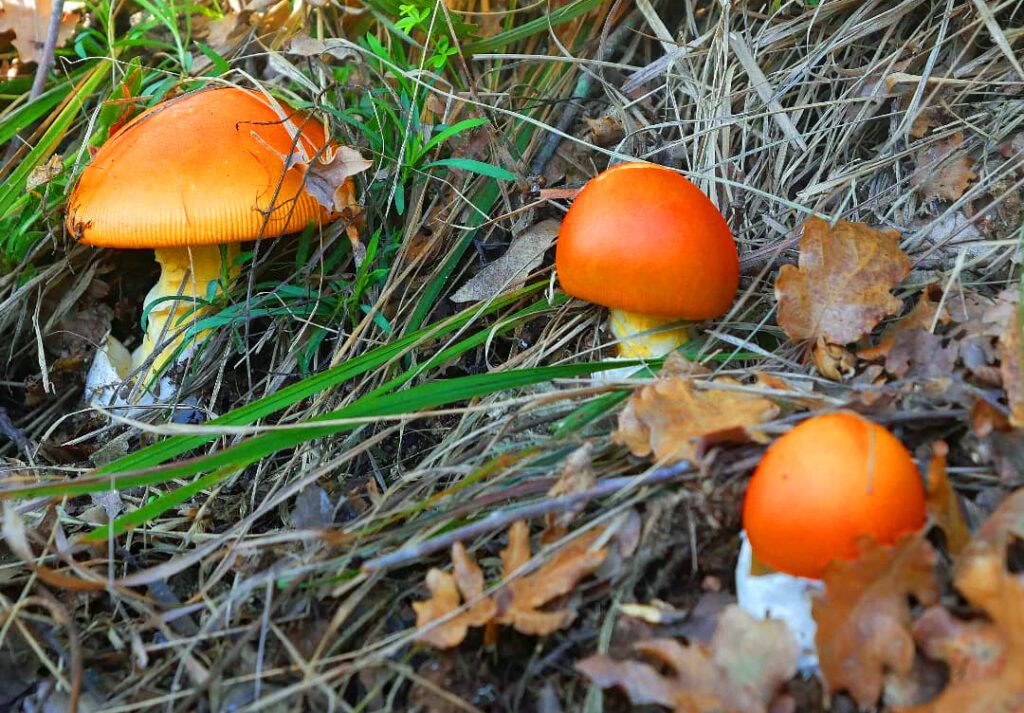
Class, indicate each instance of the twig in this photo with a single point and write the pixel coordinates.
(49, 49)
(502, 518)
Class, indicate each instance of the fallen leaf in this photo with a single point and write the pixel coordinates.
(924, 121)
(521, 602)
(985, 658)
(1006, 315)
(1005, 525)
(511, 269)
(924, 315)
(801, 395)
(842, 287)
(328, 177)
(863, 618)
(577, 476)
(223, 34)
(306, 46)
(605, 130)
(740, 671)
(942, 502)
(466, 579)
(973, 649)
(917, 353)
(943, 171)
(833, 361)
(313, 509)
(674, 420)
(45, 172)
(30, 21)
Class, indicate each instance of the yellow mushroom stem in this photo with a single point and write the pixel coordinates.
(185, 276)
(642, 336)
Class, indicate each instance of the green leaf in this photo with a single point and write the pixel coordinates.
(474, 166)
(447, 133)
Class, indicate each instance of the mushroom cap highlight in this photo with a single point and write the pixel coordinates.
(201, 169)
(825, 484)
(641, 238)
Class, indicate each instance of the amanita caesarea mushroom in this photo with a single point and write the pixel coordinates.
(644, 241)
(190, 179)
(828, 482)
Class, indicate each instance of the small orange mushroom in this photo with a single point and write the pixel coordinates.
(644, 241)
(210, 168)
(828, 482)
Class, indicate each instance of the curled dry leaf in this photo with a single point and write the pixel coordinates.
(329, 181)
(605, 130)
(943, 170)
(29, 20)
(864, 620)
(1006, 317)
(511, 269)
(466, 580)
(943, 504)
(740, 671)
(985, 657)
(842, 287)
(327, 177)
(674, 420)
(522, 602)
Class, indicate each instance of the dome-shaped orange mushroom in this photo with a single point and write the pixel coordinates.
(828, 482)
(643, 240)
(217, 166)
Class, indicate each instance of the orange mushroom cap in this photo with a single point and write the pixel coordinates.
(641, 238)
(202, 169)
(828, 482)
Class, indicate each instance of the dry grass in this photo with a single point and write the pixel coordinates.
(249, 596)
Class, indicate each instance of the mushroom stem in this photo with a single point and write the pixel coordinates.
(642, 336)
(185, 277)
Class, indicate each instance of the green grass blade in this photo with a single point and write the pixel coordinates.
(13, 187)
(176, 445)
(533, 27)
(415, 400)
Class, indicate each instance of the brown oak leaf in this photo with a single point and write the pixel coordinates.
(466, 580)
(522, 602)
(943, 170)
(740, 671)
(943, 504)
(924, 315)
(864, 619)
(674, 420)
(30, 20)
(917, 353)
(1006, 317)
(986, 658)
(842, 287)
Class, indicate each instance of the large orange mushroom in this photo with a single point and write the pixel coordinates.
(825, 484)
(190, 179)
(644, 241)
